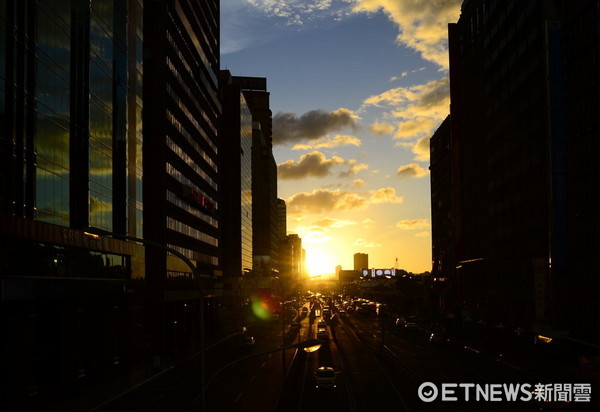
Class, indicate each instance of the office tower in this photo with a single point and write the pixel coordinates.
(236, 180)
(281, 219)
(181, 173)
(581, 306)
(70, 164)
(264, 177)
(508, 161)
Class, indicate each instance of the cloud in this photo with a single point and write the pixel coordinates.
(385, 195)
(430, 99)
(421, 149)
(412, 224)
(353, 168)
(315, 124)
(294, 12)
(411, 170)
(415, 127)
(318, 232)
(420, 108)
(314, 164)
(334, 223)
(321, 201)
(382, 128)
(364, 243)
(423, 24)
(358, 183)
(327, 142)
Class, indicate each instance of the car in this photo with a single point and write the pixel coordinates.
(437, 338)
(321, 324)
(325, 377)
(248, 341)
(408, 322)
(322, 334)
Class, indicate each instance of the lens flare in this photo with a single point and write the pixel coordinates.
(261, 309)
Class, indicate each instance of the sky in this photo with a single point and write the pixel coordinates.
(357, 88)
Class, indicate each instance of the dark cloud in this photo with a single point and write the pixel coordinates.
(323, 200)
(314, 164)
(287, 127)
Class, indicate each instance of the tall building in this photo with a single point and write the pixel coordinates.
(361, 261)
(181, 173)
(70, 164)
(581, 307)
(442, 230)
(520, 134)
(281, 219)
(264, 177)
(236, 179)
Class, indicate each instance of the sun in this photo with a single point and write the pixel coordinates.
(319, 263)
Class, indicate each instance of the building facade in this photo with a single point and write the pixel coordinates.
(582, 106)
(522, 112)
(236, 179)
(181, 167)
(264, 177)
(70, 163)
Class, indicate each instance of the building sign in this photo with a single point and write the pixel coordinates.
(378, 273)
(199, 200)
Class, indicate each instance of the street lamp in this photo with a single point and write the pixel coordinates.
(95, 232)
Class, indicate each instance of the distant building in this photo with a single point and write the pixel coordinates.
(361, 261)
(347, 276)
(281, 219)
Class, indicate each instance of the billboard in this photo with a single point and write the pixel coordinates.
(378, 273)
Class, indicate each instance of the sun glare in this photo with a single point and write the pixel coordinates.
(319, 263)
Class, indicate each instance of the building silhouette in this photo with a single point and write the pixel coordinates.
(236, 179)
(281, 220)
(71, 303)
(264, 177)
(109, 125)
(361, 261)
(501, 177)
(181, 166)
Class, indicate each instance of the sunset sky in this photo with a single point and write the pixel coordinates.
(357, 89)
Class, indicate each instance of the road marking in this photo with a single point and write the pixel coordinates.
(263, 364)
(238, 397)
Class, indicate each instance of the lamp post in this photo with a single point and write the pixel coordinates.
(96, 232)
